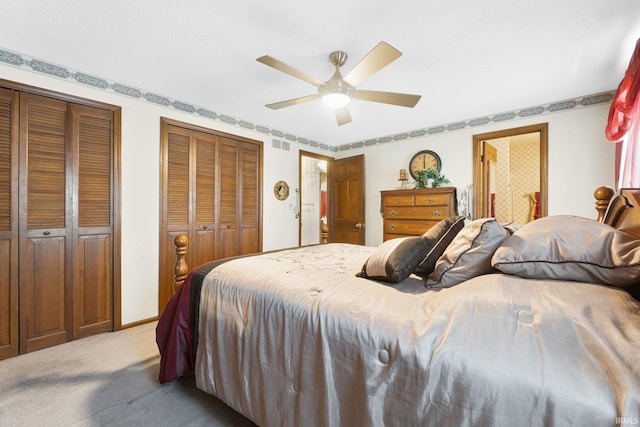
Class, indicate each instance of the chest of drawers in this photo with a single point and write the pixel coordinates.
(412, 212)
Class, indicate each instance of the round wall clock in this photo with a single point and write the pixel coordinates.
(281, 190)
(422, 160)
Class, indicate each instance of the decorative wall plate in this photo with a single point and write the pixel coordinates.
(281, 190)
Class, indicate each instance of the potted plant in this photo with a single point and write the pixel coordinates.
(430, 178)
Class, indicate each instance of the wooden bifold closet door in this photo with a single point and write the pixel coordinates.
(211, 191)
(56, 225)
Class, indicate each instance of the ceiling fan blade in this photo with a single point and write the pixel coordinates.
(281, 66)
(294, 101)
(401, 99)
(343, 116)
(378, 58)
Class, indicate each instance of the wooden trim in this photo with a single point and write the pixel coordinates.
(189, 126)
(117, 219)
(57, 95)
(139, 323)
(543, 129)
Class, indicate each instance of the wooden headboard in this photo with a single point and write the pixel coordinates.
(624, 211)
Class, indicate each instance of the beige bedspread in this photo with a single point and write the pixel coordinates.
(293, 338)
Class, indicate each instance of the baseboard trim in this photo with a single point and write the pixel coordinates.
(139, 322)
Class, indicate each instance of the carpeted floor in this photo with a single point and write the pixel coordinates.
(106, 380)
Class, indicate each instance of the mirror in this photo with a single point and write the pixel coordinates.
(314, 198)
(510, 174)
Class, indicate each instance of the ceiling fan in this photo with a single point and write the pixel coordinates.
(338, 90)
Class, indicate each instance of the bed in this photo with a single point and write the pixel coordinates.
(474, 323)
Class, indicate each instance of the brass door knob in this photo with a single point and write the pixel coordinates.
(359, 225)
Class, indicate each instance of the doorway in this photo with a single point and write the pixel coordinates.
(314, 198)
(510, 174)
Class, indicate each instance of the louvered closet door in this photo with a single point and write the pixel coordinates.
(9, 102)
(190, 198)
(227, 240)
(177, 194)
(250, 239)
(204, 222)
(45, 225)
(93, 226)
(211, 191)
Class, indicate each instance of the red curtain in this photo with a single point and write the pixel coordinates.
(623, 126)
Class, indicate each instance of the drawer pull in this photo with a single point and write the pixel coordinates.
(429, 200)
(394, 213)
(437, 213)
(398, 201)
(394, 227)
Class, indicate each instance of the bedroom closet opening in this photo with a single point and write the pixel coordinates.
(315, 170)
(59, 223)
(211, 190)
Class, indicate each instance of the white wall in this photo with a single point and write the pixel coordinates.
(580, 160)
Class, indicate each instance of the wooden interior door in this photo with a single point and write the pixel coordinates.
(347, 201)
(9, 103)
(92, 133)
(45, 225)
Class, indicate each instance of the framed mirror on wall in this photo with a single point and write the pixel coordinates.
(510, 171)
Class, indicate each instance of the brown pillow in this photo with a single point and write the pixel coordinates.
(567, 247)
(469, 253)
(439, 237)
(394, 260)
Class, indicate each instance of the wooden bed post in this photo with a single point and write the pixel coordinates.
(181, 269)
(603, 196)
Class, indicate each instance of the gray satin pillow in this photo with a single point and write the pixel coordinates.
(439, 237)
(564, 247)
(469, 254)
(395, 260)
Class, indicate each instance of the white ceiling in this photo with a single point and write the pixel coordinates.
(466, 58)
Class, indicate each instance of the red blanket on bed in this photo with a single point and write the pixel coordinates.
(174, 335)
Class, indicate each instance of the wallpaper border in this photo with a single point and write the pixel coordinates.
(36, 65)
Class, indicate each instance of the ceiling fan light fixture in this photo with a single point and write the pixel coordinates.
(336, 100)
